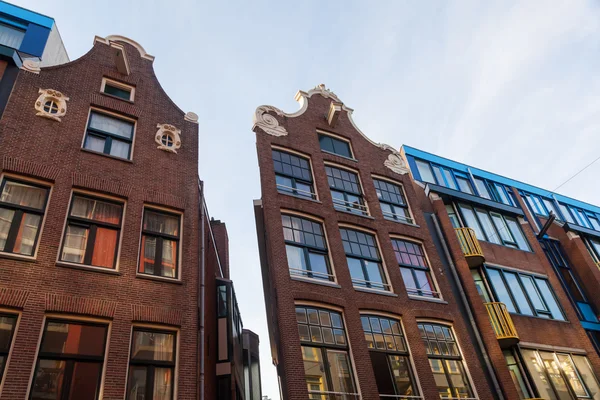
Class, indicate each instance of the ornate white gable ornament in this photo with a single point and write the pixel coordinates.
(269, 124)
(168, 138)
(32, 66)
(51, 104)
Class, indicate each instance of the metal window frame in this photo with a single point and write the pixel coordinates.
(420, 292)
(20, 211)
(331, 137)
(92, 226)
(293, 179)
(108, 136)
(394, 215)
(158, 267)
(151, 365)
(70, 359)
(348, 206)
(6, 353)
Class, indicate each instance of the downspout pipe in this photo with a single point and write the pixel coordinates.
(463, 298)
(201, 291)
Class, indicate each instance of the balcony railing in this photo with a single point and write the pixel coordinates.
(371, 284)
(349, 206)
(502, 324)
(296, 191)
(399, 397)
(311, 274)
(470, 246)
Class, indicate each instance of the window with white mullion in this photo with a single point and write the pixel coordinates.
(345, 190)
(293, 174)
(392, 201)
(306, 248)
(364, 260)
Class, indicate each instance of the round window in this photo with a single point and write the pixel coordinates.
(167, 140)
(51, 107)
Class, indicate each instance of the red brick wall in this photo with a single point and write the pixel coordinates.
(222, 241)
(302, 137)
(49, 150)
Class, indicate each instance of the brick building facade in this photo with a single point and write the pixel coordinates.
(108, 260)
(360, 300)
(526, 273)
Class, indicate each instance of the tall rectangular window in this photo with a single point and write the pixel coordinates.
(109, 135)
(151, 365)
(22, 208)
(364, 260)
(8, 323)
(345, 190)
(392, 201)
(550, 207)
(92, 233)
(70, 361)
(414, 268)
(566, 213)
(445, 361)
(325, 355)
(160, 243)
(464, 183)
(524, 294)
(516, 373)
(293, 174)
(389, 356)
(335, 146)
(306, 248)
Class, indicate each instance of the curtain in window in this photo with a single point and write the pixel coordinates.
(161, 223)
(148, 253)
(75, 244)
(113, 125)
(6, 217)
(11, 37)
(96, 210)
(27, 233)
(169, 258)
(23, 195)
(104, 248)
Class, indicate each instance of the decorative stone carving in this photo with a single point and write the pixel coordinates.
(32, 66)
(168, 138)
(51, 104)
(267, 122)
(395, 163)
(323, 91)
(191, 117)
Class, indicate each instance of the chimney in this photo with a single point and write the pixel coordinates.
(222, 242)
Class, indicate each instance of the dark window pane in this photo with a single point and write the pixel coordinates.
(48, 380)
(136, 387)
(85, 381)
(7, 326)
(73, 338)
(117, 91)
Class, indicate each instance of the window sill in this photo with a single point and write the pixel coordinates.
(88, 268)
(337, 155)
(299, 197)
(159, 279)
(19, 257)
(112, 96)
(431, 300)
(375, 291)
(402, 222)
(106, 155)
(351, 213)
(315, 281)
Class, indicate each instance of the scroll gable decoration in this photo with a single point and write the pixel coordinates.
(270, 125)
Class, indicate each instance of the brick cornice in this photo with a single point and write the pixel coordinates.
(160, 315)
(80, 305)
(30, 168)
(95, 183)
(165, 199)
(13, 298)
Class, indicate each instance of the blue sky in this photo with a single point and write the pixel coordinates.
(486, 83)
